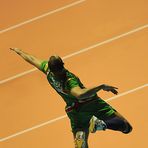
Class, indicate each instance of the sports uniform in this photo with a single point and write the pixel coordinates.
(86, 114)
(79, 113)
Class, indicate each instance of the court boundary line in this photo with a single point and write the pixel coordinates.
(41, 16)
(78, 52)
(64, 116)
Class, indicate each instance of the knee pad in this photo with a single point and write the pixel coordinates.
(80, 141)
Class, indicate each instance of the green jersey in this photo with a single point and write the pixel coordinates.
(78, 113)
(63, 87)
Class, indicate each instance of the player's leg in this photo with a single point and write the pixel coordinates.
(118, 123)
(81, 138)
(114, 122)
(109, 118)
(80, 124)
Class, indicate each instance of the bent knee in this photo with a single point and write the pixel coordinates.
(128, 128)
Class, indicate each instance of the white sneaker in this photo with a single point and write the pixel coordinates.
(96, 125)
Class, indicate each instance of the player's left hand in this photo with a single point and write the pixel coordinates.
(110, 88)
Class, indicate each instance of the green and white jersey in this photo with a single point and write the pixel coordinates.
(62, 87)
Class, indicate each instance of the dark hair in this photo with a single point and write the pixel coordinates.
(55, 63)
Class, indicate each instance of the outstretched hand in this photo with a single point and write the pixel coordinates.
(110, 88)
(17, 50)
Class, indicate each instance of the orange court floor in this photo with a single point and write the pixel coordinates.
(100, 41)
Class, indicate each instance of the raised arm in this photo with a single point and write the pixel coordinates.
(29, 58)
(85, 93)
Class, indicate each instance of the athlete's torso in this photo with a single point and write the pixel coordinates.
(63, 87)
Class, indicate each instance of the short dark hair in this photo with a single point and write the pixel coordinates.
(55, 63)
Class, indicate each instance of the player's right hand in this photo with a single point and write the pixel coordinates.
(17, 50)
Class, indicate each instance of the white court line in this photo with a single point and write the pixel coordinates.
(41, 16)
(78, 52)
(64, 116)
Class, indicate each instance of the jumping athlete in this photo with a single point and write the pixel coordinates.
(86, 110)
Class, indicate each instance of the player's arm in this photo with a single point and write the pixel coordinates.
(88, 92)
(29, 58)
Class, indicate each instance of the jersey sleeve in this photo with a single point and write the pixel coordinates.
(71, 83)
(44, 66)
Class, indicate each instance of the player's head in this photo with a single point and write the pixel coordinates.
(56, 65)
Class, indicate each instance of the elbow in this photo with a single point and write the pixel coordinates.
(78, 92)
